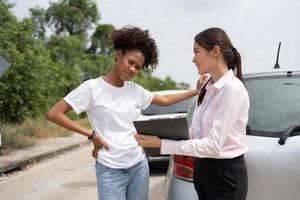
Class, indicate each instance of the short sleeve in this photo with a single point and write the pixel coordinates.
(79, 98)
(143, 97)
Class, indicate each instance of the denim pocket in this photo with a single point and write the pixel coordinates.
(101, 169)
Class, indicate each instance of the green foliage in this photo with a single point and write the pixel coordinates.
(155, 84)
(5, 14)
(45, 68)
(72, 16)
(101, 40)
(66, 49)
(23, 86)
(38, 16)
(93, 66)
(183, 86)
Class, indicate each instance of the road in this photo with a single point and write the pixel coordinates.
(70, 176)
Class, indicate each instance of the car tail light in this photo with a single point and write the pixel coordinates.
(183, 167)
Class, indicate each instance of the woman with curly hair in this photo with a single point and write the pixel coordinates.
(111, 102)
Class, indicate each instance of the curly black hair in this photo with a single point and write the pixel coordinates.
(133, 38)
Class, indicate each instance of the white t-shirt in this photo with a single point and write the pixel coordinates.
(111, 111)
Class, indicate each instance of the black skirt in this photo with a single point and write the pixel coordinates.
(221, 179)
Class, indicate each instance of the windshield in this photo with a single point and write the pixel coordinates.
(274, 103)
(181, 107)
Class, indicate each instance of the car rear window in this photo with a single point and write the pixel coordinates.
(274, 104)
(181, 107)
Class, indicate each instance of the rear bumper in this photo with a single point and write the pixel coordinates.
(179, 190)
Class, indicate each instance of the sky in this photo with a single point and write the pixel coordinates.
(254, 26)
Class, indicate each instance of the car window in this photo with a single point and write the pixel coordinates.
(181, 107)
(274, 104)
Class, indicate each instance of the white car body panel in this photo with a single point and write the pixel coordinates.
(273, 169)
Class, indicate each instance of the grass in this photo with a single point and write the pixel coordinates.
(21, 136)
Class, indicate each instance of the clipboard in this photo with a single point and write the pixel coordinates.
(165, 128)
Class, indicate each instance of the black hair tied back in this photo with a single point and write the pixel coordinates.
(233, 58)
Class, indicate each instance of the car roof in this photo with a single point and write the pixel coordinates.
(277, 72)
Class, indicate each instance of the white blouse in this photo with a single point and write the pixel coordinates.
(219, 125)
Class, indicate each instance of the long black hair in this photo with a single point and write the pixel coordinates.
(212, 37)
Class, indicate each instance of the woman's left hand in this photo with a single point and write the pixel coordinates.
(95, 152)
(148, 140)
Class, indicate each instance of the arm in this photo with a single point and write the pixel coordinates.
(165, 100)
(210, 146)
(57, 115)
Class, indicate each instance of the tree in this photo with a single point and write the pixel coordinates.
(155, 84)
(38, 16)
(93, 66)
(67, 49)
(44, 70)
(5, 14)
(25, 87)
(72, 16)
(101, 40)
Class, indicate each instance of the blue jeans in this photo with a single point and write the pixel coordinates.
(123, 184)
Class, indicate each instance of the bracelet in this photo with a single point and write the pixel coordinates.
(92, 135)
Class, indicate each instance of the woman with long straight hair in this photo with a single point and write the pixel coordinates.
(219, 125)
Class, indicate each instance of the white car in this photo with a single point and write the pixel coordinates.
(273, 137)
(161, 112)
